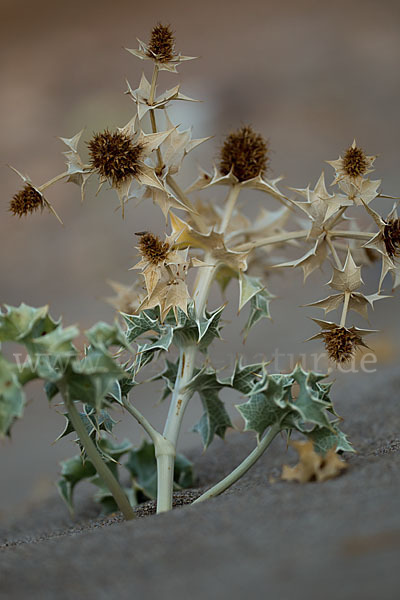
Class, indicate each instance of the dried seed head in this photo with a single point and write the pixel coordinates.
(161, 44)
(355, 161)
(341, 343)
(391, 237)
(152, 248)
(114, 156)
(26, 201)
(245, 152)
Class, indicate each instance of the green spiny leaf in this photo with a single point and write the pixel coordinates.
(143, 468)
(244, 378)
(73, 471)
(259, 309)
(268, 407)
(215, 419)
(308, 404)
(22, 322)
(146, 321)
(248, 287)
(324, 439)
(12, 398)
(102, 336)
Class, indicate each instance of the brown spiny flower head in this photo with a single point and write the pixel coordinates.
(391, 237)
(355, 162)
(26, 201)
(161, 44)
(341, 343)
(114, 156)
(152, 248)
(245, 153)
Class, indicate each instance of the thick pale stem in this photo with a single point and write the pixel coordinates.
(181, 395)
(94, 456)
(206, 276)
(237, 473)
(347, 296)
(165, 450)
(165, 481)
(230, 206)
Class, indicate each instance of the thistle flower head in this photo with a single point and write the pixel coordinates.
(161, 44)
(355, 161)
(391, 237)
(245, 153)
(26, 201)
(341, 343)
(152, 248)
(114, 156)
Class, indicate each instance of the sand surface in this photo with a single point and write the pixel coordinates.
(281, 540)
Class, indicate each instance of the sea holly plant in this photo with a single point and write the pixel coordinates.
(164, 316)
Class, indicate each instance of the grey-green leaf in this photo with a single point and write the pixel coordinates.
(12, 398)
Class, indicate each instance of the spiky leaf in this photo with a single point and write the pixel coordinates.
(259, 309)
(12, 398)
(215, 419)
(143, 468)
(325, 439)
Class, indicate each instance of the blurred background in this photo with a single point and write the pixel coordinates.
(309, 75)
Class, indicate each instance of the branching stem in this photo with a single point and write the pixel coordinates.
(169, 179)
(273, 239)
(352, 235)
(44, 186)
(94, 456)
(141, 419)
(334, 253)
(244, 466)
(181, 395)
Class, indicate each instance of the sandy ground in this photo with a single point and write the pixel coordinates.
(280, 540)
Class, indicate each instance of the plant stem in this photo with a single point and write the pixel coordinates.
(141, 419)
(273, 239)
(336, 218)
(165, 456)
(185, 200)
(347, 296)
(229, 207)
(352, 235)
(169, 179)
(52, 181)
(94, 456)
(334, 253)
(244, 466)
(181, 395)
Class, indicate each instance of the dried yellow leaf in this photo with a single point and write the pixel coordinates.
(313, 466)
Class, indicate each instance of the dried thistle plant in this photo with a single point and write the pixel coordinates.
(166, 314)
